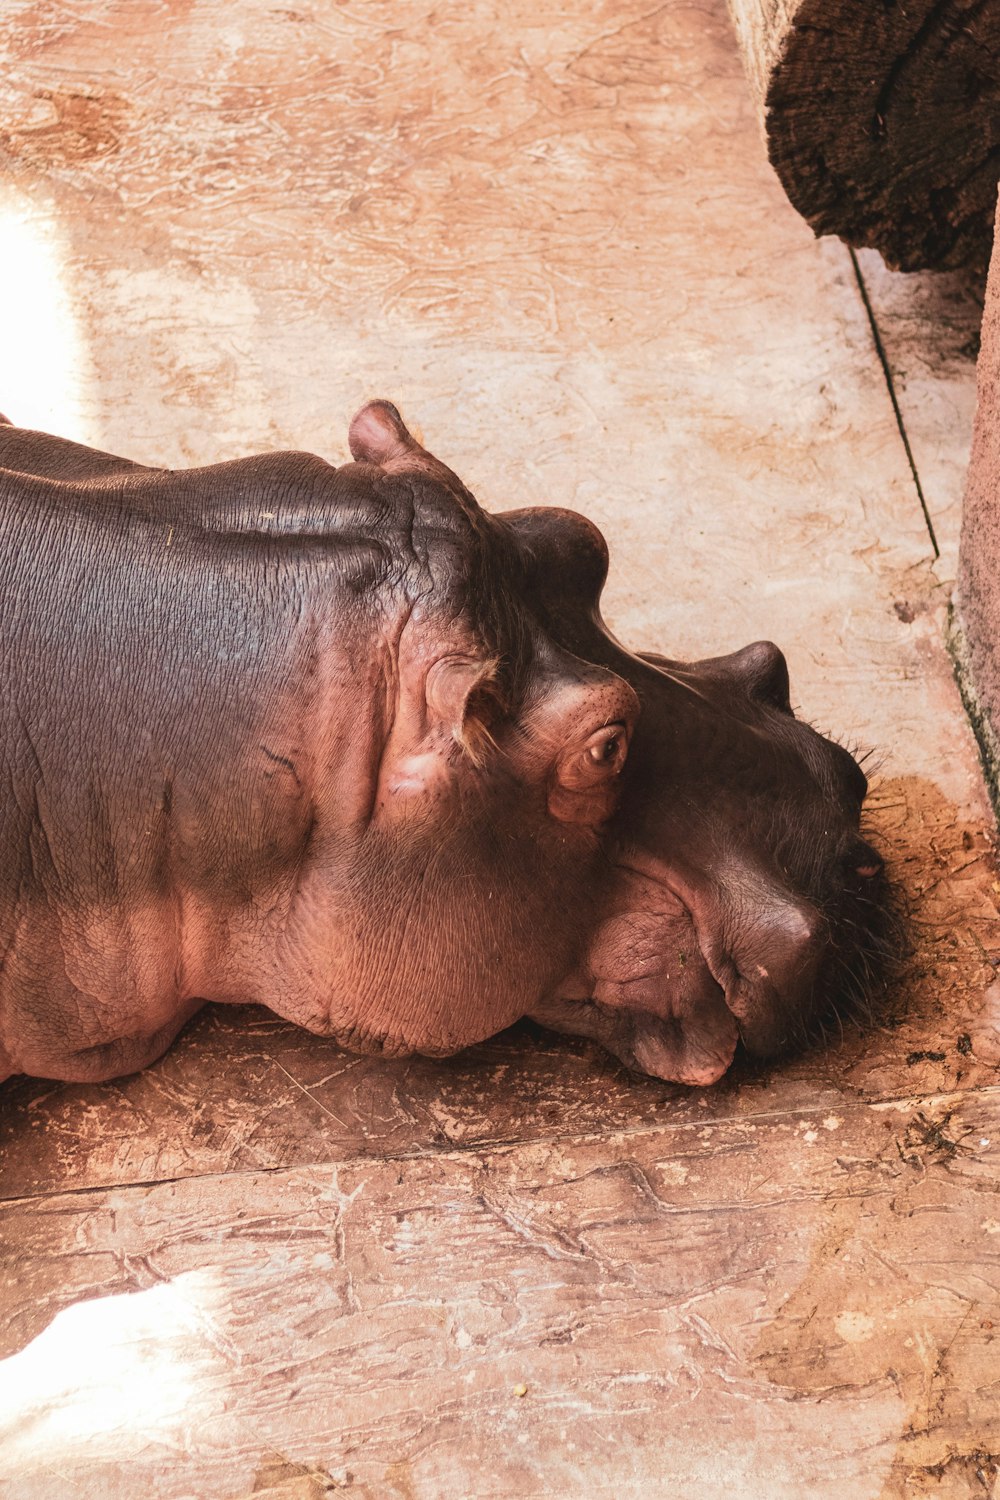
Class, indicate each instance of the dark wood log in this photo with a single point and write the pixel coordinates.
(976, 624)
(882, 119)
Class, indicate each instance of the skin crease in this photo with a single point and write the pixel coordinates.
(338, 742)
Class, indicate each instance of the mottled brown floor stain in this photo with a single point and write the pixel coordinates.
(63, 128)
(278, 1478)
(957, 1475)
(398, 1481)
(946, 867)
(873, 1312)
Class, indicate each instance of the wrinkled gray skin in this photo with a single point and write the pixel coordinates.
(336, 741)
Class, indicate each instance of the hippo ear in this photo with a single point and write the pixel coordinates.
(463, 696)
(378, 435)
(461, 701)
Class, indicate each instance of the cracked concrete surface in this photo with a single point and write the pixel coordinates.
(551, 235)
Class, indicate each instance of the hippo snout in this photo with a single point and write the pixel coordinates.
(771, 979)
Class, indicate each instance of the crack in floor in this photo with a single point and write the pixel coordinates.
(507, 1144)
(883, 359)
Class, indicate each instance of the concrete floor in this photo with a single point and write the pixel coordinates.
(263, 1266)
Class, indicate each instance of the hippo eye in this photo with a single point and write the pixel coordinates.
(606, 750)
(608, 747)
(601, 757)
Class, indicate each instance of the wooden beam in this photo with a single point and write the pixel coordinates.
(882, 119)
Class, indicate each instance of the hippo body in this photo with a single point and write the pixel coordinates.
(336, 741)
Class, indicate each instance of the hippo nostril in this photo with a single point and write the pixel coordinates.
(763, 671)
(864, 862)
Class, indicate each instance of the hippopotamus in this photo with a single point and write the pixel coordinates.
(335, 740)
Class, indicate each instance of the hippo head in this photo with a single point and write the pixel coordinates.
(655, 854)
(743, 903)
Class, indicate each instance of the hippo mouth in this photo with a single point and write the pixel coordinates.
(695, 1048)
(660, 1007)
(683, 972)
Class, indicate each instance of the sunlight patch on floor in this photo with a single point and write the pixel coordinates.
(113, 1371)
(44, 365)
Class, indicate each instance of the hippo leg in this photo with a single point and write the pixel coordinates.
(114, 1058)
